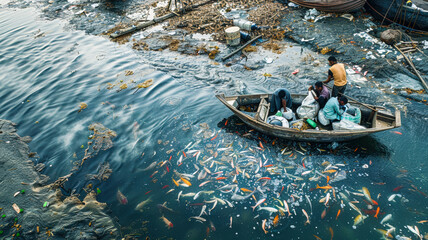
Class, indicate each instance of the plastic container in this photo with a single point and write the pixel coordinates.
(233, 36)
(245, 24)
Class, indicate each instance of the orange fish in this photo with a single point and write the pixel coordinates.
(263, 178)
(167, 222)
(184, 154)
(316, 237)
(220, 178)
(328, 179)
(324, 187)
(374, 202)
(399, 133)
(276, 220)
(214, 137)
(377, 212)
(264, 226)
(338, 213)
(331, 232)
(270, 165)
(261, 145)
(324, 213)
(330, 171)
(225, 124)
(175, 182)
(246, 190)
(186, 182)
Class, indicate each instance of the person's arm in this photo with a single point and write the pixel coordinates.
(337, 111)
(284, 104)
(330, 77)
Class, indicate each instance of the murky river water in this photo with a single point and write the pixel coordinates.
(46, 72)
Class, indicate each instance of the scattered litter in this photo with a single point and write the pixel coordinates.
(296, 71)
(82, 106)
(268, 60)
(16, 208)
(347, 16)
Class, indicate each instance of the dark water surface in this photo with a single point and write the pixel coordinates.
(46, 72)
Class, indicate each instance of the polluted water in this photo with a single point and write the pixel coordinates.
(182, 166)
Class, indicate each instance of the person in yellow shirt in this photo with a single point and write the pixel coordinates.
(338, 74)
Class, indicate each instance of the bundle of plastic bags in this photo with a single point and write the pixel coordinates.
(309, 107)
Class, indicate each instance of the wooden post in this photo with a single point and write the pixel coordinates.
(154, 21)
(240, 48)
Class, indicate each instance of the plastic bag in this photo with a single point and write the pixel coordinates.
(289, 115)
(346, 125)
(322, 119)
(309, 107)
(352, 114)
(277, 120)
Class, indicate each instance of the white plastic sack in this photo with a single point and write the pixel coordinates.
(322, 119)
(289, 115)
(273, 118)
(347, 125)
(309, 107)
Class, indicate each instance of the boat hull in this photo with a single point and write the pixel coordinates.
(310, 135)
(389, 12)
(337, 6)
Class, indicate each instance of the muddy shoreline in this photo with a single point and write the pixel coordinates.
(44, 211)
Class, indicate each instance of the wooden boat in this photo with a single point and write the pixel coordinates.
(341, 6)
(389, 11)
(374, 121)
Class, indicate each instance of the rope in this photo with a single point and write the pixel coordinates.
(387, 12)
(380, 14)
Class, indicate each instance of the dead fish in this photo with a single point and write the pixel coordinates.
(150, 167)
(198, 218)
(142, 204)
(121, 198)
(307, 216)
(163, 208)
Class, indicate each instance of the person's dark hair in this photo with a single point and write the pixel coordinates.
(343, 99)
(332, 58)
(281, 94)
(318, 84)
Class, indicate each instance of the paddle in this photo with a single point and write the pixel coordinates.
(353, 99)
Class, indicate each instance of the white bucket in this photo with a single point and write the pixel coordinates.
(233, 36)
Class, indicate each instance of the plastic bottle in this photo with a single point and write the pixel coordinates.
(279, 114)
(245, 37)
(245, 24)
(312, 123)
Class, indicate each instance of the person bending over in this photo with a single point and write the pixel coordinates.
(335, 107)
(280, 98)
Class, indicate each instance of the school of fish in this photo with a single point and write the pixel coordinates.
(219, 171)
